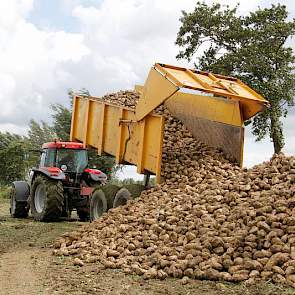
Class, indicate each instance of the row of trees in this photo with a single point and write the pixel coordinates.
(17, 154)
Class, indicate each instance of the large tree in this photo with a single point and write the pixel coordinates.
(253, 47)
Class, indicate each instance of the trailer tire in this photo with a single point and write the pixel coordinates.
(135, 189)
(121, 197)
(110, 191)
(47, 199)
(98, 204)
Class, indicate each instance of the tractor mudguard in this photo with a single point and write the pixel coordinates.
(96, 175)
(22, 191)
(51, 172)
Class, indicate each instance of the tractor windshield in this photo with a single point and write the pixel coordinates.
(75, 160)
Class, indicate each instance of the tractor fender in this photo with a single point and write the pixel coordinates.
(22, 191)
(50, 172)
(96, 175)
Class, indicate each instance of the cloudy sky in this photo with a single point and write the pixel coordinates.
(48, 47)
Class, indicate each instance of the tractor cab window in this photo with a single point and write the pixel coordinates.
(74, 160)
(48, 158)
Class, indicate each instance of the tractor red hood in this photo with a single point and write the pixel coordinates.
(63, 145)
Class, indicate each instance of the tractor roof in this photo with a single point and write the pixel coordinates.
(63, 145)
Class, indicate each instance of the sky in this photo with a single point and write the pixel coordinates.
(49, 47)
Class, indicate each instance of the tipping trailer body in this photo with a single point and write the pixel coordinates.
(113, 130)
(212, 107)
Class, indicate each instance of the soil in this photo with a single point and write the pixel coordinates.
(28, 267)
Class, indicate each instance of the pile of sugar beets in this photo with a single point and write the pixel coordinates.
(208, 220)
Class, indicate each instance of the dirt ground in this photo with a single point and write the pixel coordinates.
(28, 267)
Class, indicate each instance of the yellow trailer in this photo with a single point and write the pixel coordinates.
(212, 107)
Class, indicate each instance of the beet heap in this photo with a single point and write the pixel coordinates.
(209, 219)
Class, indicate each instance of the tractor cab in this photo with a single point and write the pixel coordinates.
(68, 161)
(67, 156)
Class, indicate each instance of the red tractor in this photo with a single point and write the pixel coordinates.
(61, 183)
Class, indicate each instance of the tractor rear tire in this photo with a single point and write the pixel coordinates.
(121, 197)
(47, 199)
(98, 204)
(18, 209)
(110, 191)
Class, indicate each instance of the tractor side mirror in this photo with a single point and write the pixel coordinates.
(64, 168)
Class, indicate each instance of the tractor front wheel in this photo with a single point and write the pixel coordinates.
(18, 209)
(47, 199)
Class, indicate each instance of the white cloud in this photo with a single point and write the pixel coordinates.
(127, 40)
(32, 64)
(12, 11)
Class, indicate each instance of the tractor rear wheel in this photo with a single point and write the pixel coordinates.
(47, 199)
(18, 209)
(98, 204)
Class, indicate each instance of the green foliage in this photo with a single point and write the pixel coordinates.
(61, 122)
(39, 133)
(12, 161)
(252, 48)
(7, 138)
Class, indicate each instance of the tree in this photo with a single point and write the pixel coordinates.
(7, 138)
(12, 158)
(39, 133)
(253, 48)
(61, 121)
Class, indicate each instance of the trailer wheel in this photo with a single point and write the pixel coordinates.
(135, 189)
(121, 197)
(110, 191)
(98, 204)
(47, 199)
(18, 209)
